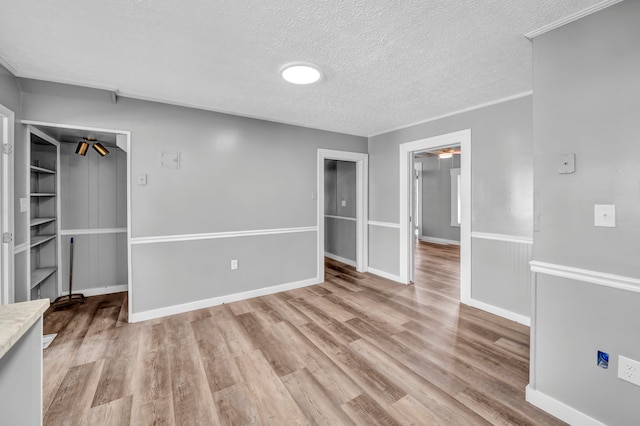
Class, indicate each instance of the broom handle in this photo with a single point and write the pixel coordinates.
(71, 268)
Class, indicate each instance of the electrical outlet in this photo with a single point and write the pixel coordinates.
(234, 264)
(629, 370)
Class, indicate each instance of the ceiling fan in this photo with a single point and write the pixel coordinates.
(83, 147)
(441, 153)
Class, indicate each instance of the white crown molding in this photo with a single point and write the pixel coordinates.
(618, 282)
(460, 111)
(217, 235)
(502, 237)
(8, 66)
(384, 224)
(200, 304)
(573, 17)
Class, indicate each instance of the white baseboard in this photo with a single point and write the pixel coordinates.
(384, 274)
(340, 259)
(200, 304)
(501, 312)
(438, 240)
(559, 409)
(101, 290)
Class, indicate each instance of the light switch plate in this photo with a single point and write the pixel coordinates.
(343, 203)
(605, 215)
(24, 205)
(566, 163)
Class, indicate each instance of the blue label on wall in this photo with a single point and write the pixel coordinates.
(603, 360)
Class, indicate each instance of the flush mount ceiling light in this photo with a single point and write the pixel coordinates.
(301, 73)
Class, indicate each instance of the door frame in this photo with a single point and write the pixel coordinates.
(462, 138)
(127, 148)
(362, 203)
(7, 136)
(418, 220)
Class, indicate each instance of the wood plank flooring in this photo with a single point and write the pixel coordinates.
(357, 349)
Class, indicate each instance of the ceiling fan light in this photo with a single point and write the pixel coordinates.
(82, 148)
(100, 149)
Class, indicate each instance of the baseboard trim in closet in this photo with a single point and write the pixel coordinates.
(340, 259)
(101, 290)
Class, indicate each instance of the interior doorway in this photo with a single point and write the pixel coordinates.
(340, 220)
(407, 182)
(361, 205)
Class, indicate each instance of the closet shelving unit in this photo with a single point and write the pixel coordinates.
(44, 211)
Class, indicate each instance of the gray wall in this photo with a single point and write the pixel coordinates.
(10, 98)
(436, 197)
(236, 174)
(586, 102)
(502, 186)
(93, 195)
(340, 185)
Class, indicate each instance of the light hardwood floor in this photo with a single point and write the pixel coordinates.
(356, 349)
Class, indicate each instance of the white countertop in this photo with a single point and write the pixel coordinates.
(16, 319)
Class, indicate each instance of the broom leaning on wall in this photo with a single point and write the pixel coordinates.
(69, 299)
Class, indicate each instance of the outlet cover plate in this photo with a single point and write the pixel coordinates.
(629, 370)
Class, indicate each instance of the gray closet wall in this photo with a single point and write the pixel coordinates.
(436, 198)
(339, 221)
(93, 193)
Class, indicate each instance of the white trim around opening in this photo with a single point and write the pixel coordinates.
(362, 202)
(7, 117)
(463, 139)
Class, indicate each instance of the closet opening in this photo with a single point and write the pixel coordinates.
(78, 179)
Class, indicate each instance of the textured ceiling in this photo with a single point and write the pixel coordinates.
(387, 64)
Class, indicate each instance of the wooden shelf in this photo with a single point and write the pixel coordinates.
(43, 194)
(41, 220)
(37, 169)
(41, 274)
(36, 240)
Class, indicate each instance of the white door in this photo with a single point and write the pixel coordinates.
(6, 205)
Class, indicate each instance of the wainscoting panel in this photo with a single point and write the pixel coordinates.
(500, 273)
(340, 237)
(383, 250)
(172, 273)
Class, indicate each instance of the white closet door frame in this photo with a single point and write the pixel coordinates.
(7, 120)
